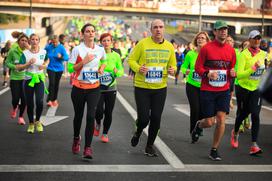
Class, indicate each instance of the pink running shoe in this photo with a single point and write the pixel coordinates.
(104, 138)
(88, 153)
(255, 150)
(21, 121)
(55, 103)
(49, 103)
(234, 142)
(13, 113)
(96, 130)
(76, 145)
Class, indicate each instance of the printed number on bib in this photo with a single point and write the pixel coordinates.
(259, 72)
(90, 75)
(106, 79)
(154, 75)
(196, 77)
(221, 79)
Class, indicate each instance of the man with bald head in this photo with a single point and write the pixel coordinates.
(152, 59)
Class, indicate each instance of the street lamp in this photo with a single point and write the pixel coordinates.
(200, 17)
(30, 13)
(263, 17)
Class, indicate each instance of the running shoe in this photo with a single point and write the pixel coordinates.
(39, 126)
(196, 132)
(50, 103)
(135, 139)
(21, 121)
(88, 153)
(5, 84)
(241, 128)
(96, 130)
(76, 145)
(233, 141)
(255, 150)
(214, 155)
(104, 138)
(13, 113)
(247, 123)
(150, 151)
(31, 128)
(55, 103)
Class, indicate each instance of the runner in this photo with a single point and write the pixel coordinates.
(85, 61)
(34, 61)
(152, 59)
(17, 78)
(193, 79)
(4, 55)
(108, 88)
(56, 54)
(215, 64)
(250, 68)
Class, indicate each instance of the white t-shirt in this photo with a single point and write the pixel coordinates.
(40, 57)
(88, 73)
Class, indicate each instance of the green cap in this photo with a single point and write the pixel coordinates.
(220, 24)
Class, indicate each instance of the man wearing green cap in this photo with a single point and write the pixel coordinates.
(215, 64)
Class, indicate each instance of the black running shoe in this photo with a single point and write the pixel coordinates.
(196, 132)
(135, 139)
(150, 151)
(214, 155)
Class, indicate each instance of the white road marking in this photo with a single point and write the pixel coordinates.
(50, 117)
(170, 156)
(4, 90)
(136, 168)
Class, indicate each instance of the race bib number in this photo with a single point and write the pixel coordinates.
(257, 75)
(90, 76)
(221, 79)
(154, 75)
(196, 77)
(106, 79)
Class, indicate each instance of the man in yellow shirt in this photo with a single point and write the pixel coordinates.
(152, 59)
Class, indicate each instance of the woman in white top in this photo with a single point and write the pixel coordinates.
(86, 62)
(34, 61)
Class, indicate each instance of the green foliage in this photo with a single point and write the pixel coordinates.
(7, 18)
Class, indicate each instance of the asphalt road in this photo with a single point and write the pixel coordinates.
(48, 156)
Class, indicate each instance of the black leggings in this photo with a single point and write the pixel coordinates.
(17, 93)
(105, 107)
(38, 90)
(53, 88)
(150, 104)
(193, 93)
(248, 102)
(79, 98)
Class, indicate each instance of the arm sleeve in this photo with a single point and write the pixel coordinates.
(9, 61)
(199, 66)
(65, 56)
(172, 61)
(70, 67)
(119, 66)
(134, 58)
(186, 63)
(241, 72)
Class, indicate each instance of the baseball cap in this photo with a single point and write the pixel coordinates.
(220, 24)
(254, 34)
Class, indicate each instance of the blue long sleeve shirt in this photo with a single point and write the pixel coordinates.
(56, 64)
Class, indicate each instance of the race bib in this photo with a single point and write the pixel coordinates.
(196, 77)
(257, 75)
(154, 75)
(221, 79)
(106, 79)
(90, 75)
